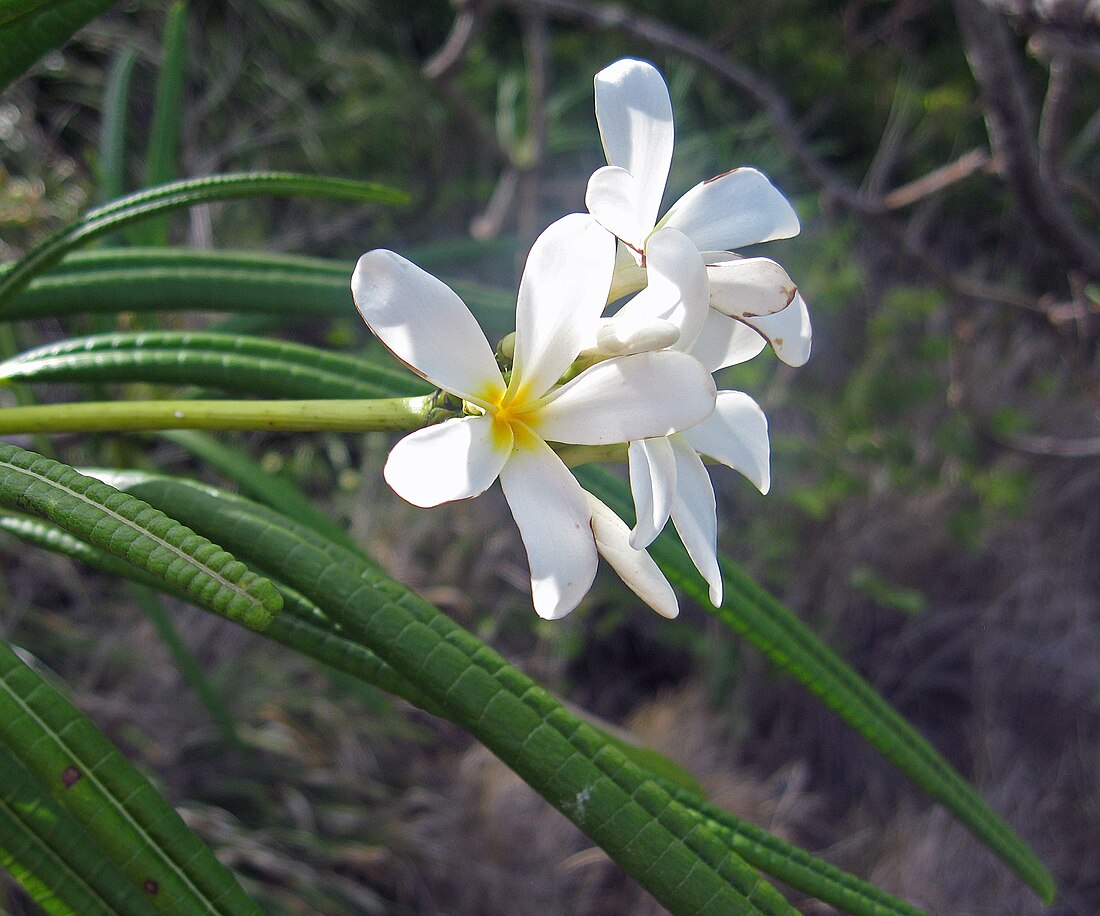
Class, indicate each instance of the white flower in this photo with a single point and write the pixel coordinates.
(667, 475)
(729, 211)
(507, 425)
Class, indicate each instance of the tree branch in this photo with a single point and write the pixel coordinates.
(1009, 121)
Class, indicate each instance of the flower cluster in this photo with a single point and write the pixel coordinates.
(640, 376)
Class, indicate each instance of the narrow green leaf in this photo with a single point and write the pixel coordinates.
(177, 194)
(30, 29)
(161, 158)
(232, 362)
(113, 125)
(571, 764)
(14, 10)
(174, 279)
(293, 297)
(792, 865)
(791, 645)
(51, 855)
(131, 823)
(137, 533)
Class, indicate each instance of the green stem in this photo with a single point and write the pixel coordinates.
(348, 416)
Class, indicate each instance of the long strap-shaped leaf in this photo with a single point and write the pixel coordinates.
(85, 774)
(30, 28)
(174, 279)
(174, 195)
(791, 645)
(164, 133)
(653, 837)
(304, 627)
(793, 865)
(229, 361)
(137, 533)
(51, 855)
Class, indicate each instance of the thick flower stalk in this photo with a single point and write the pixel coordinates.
(730, 211)
(507, 424)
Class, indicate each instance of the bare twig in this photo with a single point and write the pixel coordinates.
(488, 223)
(938, 179)
(441, 64)
(1055, 447)
(1057, 106)
(993, 60)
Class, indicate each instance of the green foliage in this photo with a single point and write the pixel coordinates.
(137, 533)
(29, 30)
(52, 856)
(164, 135)
(128, 820)
(176, 195)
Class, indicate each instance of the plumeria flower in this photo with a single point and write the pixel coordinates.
(507, 424)
(668, 478)
(733, 210)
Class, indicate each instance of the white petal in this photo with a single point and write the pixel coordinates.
(732, 210)
(456, 459)
(424, 323)
(620, 336)
(695, 516)
(677, 288)
(635, 567)
(736, 434)
(643, 396)
(561, 296)
(787, 331)
(634, 113)
(613, 197)
(750, 288)
(653, 486)
(725, 342)
(554, 519)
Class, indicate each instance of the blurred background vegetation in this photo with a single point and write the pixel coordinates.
(936, 507)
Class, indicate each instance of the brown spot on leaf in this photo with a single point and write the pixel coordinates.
(723, 175)
(778, 341)
(70, 777)
(151, 886)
